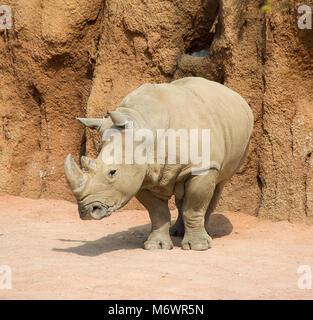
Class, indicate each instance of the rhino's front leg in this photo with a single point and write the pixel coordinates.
(160, 216)
(198, 194)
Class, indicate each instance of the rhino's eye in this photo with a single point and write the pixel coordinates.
(112, 173)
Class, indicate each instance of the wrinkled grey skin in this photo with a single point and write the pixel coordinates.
(187, 103)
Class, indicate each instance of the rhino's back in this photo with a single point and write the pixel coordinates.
(220, 109)
(194, 102)
(205, 100)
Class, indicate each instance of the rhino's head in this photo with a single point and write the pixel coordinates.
(102, 188)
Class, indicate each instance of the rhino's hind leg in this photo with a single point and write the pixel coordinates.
(160, 216)
(178, 229)
(199, 191)
(213, 203)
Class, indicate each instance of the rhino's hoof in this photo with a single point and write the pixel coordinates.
(177, 231)
(158, 244)
(197, 242)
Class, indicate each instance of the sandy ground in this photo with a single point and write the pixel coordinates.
(55, 255)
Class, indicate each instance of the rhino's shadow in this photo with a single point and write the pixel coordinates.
(134, 237)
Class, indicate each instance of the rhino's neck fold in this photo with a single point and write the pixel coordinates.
(146, 117)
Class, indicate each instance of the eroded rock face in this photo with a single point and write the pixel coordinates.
(47, 76)
(45, 80)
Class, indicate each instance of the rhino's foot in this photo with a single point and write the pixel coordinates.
(158, 241)
(177, 230)
(197, 241)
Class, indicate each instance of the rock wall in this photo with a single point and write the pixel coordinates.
(45, 80)
(80, 58)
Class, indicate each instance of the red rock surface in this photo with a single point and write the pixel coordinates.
(80, 58)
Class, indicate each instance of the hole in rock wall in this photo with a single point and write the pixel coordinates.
(200, 54)
(204, 30)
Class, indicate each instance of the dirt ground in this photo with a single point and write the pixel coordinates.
(55, 255)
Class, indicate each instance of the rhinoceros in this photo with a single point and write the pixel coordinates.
(188, 103)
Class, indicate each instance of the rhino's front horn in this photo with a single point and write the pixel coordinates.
(91, 123)
(88, 163)
(73, 174)
(118, 118)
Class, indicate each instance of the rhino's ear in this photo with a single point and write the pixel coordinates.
(119, 119)
(91, 123)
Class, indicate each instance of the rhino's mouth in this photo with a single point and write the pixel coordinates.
(95, 210)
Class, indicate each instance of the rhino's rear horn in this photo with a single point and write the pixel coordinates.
(73, 174)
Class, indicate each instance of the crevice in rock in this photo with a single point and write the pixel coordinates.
(83, 147)
(207, 48)
(97, 145)
(260, 183)
(91, 22)
(222, 77)
(261, 186)
(44, 139)
(204, 31)
(291, 132)
(265, 133)
(93, 53)
(148, 54)
(242, 29)
(36, 95)
(306, 205)
(269, 138)
(90, 71)
(306, 209)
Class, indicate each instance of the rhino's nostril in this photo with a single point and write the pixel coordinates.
(84, 213)
(93, 211)
(95, 208)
